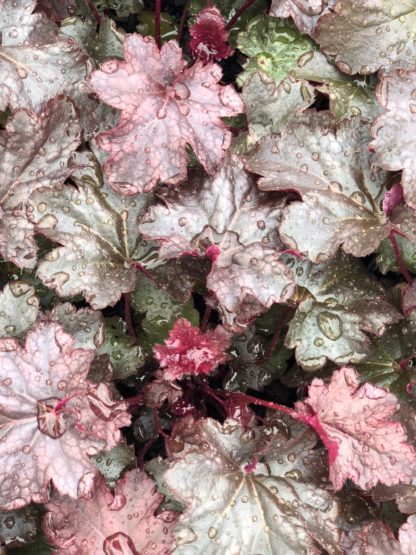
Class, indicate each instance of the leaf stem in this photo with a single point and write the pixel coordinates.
(157, 23)
(238, 13)
(205, 318)
(276, 336)
(183, 20)
(398, 255)
(93, 10)
(127, 316)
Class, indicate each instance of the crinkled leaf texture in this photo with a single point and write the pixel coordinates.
(228, 220)
(250, 491)
(34, 152)
(394, 130)
(328, 163)
(35, 62)
(209, 36)
(164, 107)
(367, 35)
(122, 522)
(340, 303)
(51, 417)
(97, 231)
(188, 351)
(370, 445)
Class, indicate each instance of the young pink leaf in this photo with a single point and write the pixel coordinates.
(392, 199)
(188, 351)
(34, 153)
(209, 36)
(164, 107)
(407, 536)
(122, 522)
(358, 420)
(52, 419)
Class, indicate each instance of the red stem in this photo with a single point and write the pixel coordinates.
(239, 12)
(94, 11)
(127, 316)
(276, 336)
(157, 23)
(158, 426)
(402, 267)
(183, 20)
(205, 318)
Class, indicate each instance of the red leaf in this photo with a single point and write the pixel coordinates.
(209, 36)
(190, 351)
(372, 446)
(110, 524)
(52, 419)
(164, 107)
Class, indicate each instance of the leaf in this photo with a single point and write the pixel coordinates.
(125, 358)
(123, 8)
(19, 308)
(403, 219)
(305, 13)
(190, 351)
(374, 538)
(85, 325)
(260, 488)
(97, 231)
(38, 64)
(51, 417)
(378, 34)
(34, 152)
(57, 9)
(18, 528)
(209, 36)
(160, 311)
(107, 523)
(339, 305)
(38, 547)
(113, 463)
(340, 184)
(270, 107)
(272, 47)
(227, 219)
(393, 130)
(148, 144)
(347, 96)
(371, 445)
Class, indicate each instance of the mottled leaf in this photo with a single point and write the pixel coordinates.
(339, 305)
(367, 35)
(37, 65)
(370, 445)
(51, 417)
(339, 181)
(97, 231)
(34, 153)
(125, 358)
(148, 144)
(123, 522)
(85, 325)
(394, 130)
(254, 491)
(270, 107)
(228, 220)
(305, 13)
(273, 47)
(347, 96)
(188, 351)
(19, 308)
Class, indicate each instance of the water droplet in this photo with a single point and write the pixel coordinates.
(26, 449)
(261, 224)
(358, 197)
(9, 329)
(212, 532)
(344, 67)
(305, 58)
(330, 325)
(244, 499)
(9, 522)
(162, 113)
(119, 544)
(21, 72)
(182, 221)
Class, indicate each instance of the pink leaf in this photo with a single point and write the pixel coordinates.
(52, 419)
(372, 446)
(407, 536)
(190, 351)
(393, 198)
(209, 36)
(164, 107)
(111, 524)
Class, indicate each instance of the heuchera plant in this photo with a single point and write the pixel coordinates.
(208, 277)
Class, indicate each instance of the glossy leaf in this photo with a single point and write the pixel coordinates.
(339, 181)
(51, 418)
(148, 144)
(214, 217)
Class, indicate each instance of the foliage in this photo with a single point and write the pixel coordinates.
(208, 277)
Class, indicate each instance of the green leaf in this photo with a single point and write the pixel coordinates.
(113, 463)
(168, 27)
(273, 47)
(403, 219)
(160, 311)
